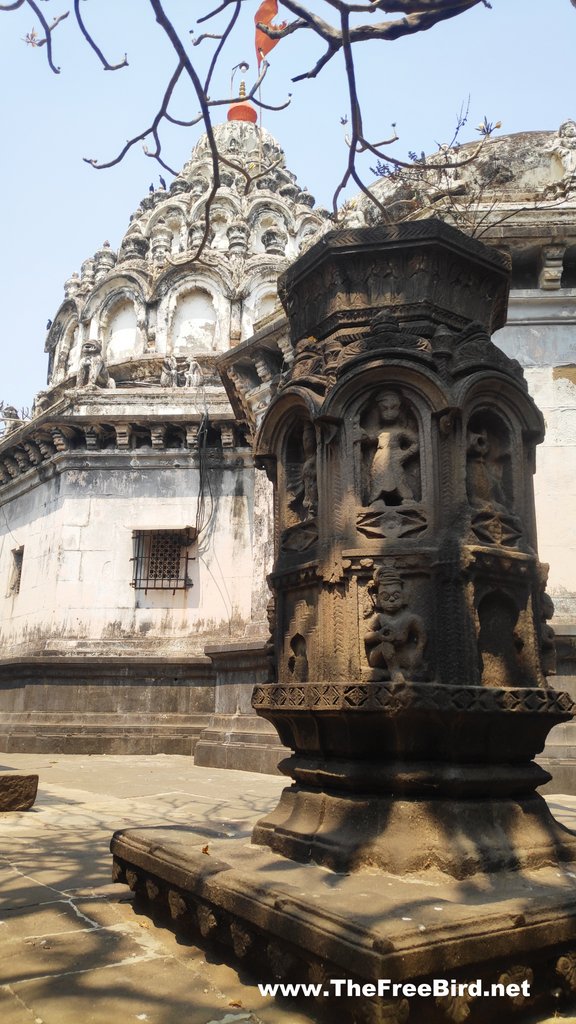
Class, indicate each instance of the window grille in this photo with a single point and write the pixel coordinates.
(16, 574)
(161, 559)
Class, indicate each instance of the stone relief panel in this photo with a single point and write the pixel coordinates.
(489, 483)
(390, 448)
(395, 636)
(299, 641)
(390, 477)
(500, 640)
(300, 504)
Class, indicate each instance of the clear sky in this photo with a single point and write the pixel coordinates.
(516, 62)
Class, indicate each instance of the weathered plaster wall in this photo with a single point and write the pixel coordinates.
(76, 529)
(541, 334)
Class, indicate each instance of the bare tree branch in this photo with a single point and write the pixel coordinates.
(105, 64)
(147, 131)
(48, 29)
(340, 33)
(220, 46)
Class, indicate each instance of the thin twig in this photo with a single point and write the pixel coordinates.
(89, 39)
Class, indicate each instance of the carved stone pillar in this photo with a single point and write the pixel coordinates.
(410, 636)
(409, 648)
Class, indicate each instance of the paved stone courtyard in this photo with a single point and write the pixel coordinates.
(73, 948)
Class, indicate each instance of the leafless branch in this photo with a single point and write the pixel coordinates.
(48, 29)
(205, 35)
(220, 46)
(89, 39)
(151, 130)
(340, 33)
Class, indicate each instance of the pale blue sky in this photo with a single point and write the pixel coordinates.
(515, 61)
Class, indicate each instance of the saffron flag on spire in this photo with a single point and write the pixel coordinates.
(264, 16)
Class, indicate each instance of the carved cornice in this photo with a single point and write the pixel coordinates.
(112, 431)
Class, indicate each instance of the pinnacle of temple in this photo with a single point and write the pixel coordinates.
(156, 298)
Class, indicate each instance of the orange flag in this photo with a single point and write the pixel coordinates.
(264, 16)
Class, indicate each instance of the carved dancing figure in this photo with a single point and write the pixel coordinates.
(396, 637)
(396, 444)
(92, 370)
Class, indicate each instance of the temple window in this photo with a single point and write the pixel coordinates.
(16, 571)
(161, 559)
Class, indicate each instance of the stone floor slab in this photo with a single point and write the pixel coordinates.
(59, 856)
(13, 1010)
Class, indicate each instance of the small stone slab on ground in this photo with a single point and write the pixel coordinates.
(17, 792)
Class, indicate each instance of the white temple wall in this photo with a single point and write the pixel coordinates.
(541, 334)
(77, 567)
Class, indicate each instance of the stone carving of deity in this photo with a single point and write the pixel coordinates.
(302, 484)
(565, 147)
(12, 419)
(396, 638)
(389, 481)
(309, 479)
(484, 471)
(193, 376)
(169, 374)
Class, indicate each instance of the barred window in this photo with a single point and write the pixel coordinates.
(16, 571)
(161, 559)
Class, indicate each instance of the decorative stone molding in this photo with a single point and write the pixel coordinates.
(36, 445)
(393, 697)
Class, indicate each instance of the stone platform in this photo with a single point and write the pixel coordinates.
(301, 923)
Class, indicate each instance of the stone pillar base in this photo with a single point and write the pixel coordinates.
(354, 832)
(299, 923)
